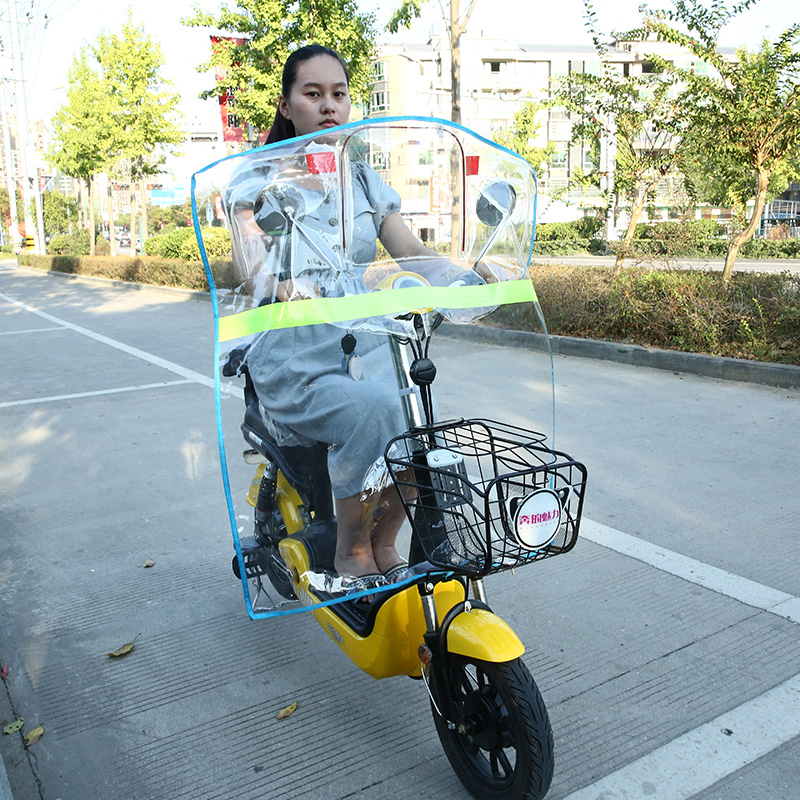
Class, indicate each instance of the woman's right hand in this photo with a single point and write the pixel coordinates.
(296, 289)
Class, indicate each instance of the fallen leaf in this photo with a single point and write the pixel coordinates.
(288, 711)
(125, 649)
(31, 737)
(149, 563)
(14, 726)
(4, 672)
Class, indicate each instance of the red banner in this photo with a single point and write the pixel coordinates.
(232, 128)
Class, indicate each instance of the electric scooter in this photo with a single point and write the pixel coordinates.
(481, 496)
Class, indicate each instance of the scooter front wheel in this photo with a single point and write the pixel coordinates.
(494, 728)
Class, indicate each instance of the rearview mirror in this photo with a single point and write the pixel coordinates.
(496, 203)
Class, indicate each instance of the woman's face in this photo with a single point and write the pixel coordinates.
(319, 97)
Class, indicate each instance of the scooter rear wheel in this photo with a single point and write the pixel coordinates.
(499, 742)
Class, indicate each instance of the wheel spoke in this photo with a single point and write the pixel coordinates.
(498, 758)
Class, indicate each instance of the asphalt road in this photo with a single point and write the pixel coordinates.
(666, 644)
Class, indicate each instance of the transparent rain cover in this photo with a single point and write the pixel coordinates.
(349, 256)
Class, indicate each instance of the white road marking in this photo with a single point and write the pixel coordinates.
(707, 754)
(32, 330)
(718, 580)
(77, 395)
(189, 374)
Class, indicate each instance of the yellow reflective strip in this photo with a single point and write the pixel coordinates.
(322, 310)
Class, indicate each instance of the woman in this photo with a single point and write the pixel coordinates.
(310, 393)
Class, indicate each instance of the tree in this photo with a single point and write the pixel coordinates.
(456, 27)
(83, 130)
(60, 213)
(271, 30)
(520, 137)
(635, 113)
(742, 117)
(143, 105)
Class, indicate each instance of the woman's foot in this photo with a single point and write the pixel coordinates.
(355, 565)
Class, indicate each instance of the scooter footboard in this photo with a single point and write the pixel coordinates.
(481, 634)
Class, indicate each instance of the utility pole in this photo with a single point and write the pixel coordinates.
(30, 188)
(608, 165)
(11, 173)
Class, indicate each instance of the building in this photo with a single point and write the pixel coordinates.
(497, 77)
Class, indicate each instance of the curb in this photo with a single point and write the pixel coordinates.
(786, 376)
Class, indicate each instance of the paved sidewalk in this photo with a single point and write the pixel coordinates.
(666, 644)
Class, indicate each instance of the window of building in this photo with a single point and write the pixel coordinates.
(559, 159)
(379, 159)
(379, 71)
(379, 101)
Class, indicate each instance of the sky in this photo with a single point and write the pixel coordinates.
(49, 43)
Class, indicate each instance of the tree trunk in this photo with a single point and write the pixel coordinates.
(636, 212)
(455, 63)
(133, 221)
(143, 190)
(112, 228)
(747, 234)
(90, 181)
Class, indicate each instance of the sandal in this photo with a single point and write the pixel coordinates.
(360, 583)
(397, 572)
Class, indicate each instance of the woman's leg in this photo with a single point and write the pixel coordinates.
(390, 518)
(354, 556)
(367, 532)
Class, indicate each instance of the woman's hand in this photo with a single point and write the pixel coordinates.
(296, 289)
(487, 273)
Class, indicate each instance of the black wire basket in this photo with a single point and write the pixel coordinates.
(485, 497)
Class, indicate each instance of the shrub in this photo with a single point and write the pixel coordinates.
(755, 315)
(142, 269)
(182, 243)
(77, 244)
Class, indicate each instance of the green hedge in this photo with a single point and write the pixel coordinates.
(182, 243)
(142, 269)
(754, 316)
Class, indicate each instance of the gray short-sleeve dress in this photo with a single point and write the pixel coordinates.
(298, 374)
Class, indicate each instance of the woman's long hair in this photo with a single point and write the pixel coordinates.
(283, 128)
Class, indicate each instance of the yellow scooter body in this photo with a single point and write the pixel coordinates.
(392, 646)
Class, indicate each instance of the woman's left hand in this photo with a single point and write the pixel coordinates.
(487, 273)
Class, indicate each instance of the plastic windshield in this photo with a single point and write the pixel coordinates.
(339, 265)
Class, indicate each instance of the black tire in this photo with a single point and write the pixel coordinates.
(499, 743)
(279, 575)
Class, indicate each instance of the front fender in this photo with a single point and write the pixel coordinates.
(483, 635)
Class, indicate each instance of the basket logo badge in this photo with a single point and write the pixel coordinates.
(537, 519)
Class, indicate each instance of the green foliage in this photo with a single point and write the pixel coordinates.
(5, 204)
(76, 244)
(143, 107)
(755, 316)
(271, 30)
(154, 271)
(160, 217)
(523, 131)
(83, 134)
(741, 120)
(635, 111)
(59, 211)
(182, 243)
